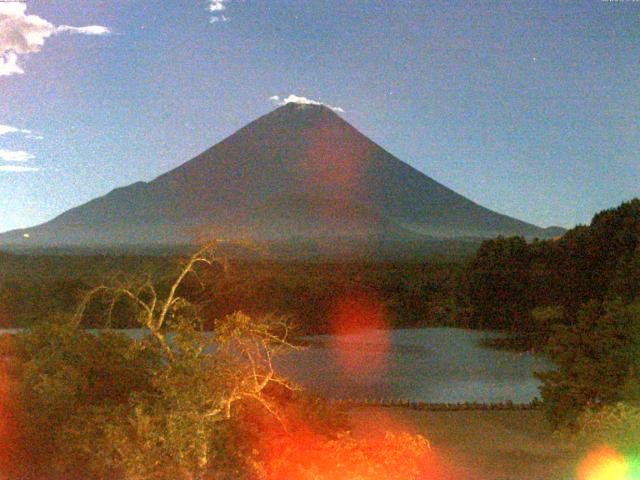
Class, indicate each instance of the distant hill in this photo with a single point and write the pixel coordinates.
(299, 172)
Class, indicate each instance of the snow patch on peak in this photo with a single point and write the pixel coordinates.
(302, 101)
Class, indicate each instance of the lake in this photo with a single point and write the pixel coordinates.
(434, 365)
(437, 365)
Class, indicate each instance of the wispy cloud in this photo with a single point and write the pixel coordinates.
(303, 101)
(219, 18)
(9, 64)
(88, 30)
(17, 169)
(21, 34)
(15, 155)
(5, 129)
(28, 134)
(216, 7)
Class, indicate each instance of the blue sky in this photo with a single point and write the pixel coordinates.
(529, 108)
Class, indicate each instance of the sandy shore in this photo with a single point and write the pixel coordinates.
(480, 445)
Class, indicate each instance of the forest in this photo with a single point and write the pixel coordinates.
(577, 299)
(415, 294)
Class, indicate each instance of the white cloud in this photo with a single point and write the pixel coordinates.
(303, 101)
(15, 155)
(88, 30)
(221, 18)
(28, 134)
(4, 129)
(17, 169)
(21, 34)
(216, 7)
(9, 65)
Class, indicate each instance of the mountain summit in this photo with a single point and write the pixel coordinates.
(300, 171)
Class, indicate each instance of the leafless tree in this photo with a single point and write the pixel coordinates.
(234, 362)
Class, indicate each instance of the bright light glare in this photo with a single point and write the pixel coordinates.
(604, 463)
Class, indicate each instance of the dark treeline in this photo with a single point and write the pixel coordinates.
(578, 299)
(35, 287)
(509, 279)
(413, 294)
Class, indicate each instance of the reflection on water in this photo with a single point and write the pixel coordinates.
(439, 365)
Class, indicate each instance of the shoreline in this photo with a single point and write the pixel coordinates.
(478, 444)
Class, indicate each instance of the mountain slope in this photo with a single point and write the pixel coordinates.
(299, 171)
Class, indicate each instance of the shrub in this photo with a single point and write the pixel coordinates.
(595, 359)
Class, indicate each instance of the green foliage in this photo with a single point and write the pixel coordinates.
(414, 294)
(543, 322)
(572, 295)
(496, 283)
(106, 406)
(616, 425)
(103, 405)
(70, 382)
(595, 358)
(625, 283)
(508, 278)
(23, 304)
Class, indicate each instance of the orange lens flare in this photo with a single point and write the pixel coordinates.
(359, 313)
(383, 457)
(330, 161)
(603, 463)
(9, 437)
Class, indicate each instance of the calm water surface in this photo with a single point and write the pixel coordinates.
(440, 365)
(430, 365)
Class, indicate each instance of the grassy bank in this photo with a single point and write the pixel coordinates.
(480, 444)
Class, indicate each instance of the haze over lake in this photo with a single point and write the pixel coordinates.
(434, 365)
(439, 365)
